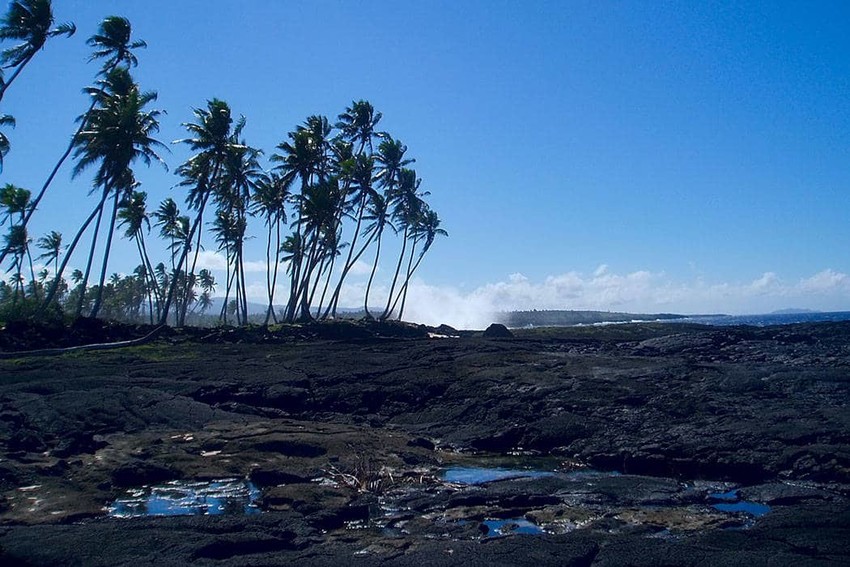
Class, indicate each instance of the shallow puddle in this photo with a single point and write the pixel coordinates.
(731, 502)
(511, 526)
(481, 475)
(187, 498)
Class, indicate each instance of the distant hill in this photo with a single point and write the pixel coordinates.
(560, 318)
(793, 311)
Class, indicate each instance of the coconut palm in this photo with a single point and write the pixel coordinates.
(377, 212)
(360, 171)
(270, 197)
(241, 174)
(210, 138)
(358, 123)
(29, 22)
(112, 43)
(407, 206)
(132, 215)
(5, 146)
(428, 228)
(14, 203)
(119, 133)
(320, 203)
(51, 243)
(306, 157)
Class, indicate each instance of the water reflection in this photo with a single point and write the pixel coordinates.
(186, 498)
(480, 475)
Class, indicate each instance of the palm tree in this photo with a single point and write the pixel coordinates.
(361, 174)
(30, 23)
(378, 213)
(112, 43)
(241, 174)
(52, 246)
(14, 203)
(133, 216)
(320, 204)
(210, 138)
(270, 197)
(428, 228)
(358, 123)
(407, 207)
(5, 146)
(119, 132)
(305, 157)
(167, 219)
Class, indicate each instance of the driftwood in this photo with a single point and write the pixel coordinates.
(82, 348)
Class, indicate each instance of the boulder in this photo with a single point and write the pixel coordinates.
(498, 331)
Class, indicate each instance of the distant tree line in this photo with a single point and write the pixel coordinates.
(329, 195)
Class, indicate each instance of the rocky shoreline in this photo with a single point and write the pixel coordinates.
(639, 444)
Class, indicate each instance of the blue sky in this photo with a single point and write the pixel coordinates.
(642, 156)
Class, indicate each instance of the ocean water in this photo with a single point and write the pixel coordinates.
(766, 319)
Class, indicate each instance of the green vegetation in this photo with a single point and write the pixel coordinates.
(339, 186)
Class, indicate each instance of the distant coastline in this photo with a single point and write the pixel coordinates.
(569, 318)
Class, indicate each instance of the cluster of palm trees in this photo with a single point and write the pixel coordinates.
(329, 195)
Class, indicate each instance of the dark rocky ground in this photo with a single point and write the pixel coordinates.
(346, 428)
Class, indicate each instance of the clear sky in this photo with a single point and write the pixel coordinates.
(640, 156)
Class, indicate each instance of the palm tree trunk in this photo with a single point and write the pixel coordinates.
(62, 159)
(335, 298)
(183, 255)
(151, 277)
(387, 309)
(99, 297)
(244, 288)
(407, 274)
(228, 282)
(55, 284)
(372, 275)
(32, 275)
(91, 253)
(269, 290)
(325, 290)
(14, 76)
(148, 274)
(323, 267)
(348, 261)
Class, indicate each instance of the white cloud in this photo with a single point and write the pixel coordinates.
(825, 282)
(216, 261)
(361, 268)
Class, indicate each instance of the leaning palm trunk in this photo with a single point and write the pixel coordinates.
(407, 273)
(270, 277)
(323, 267)
(228, 283)
(14, 76)
(388, 309)
(183, 254)
(332, 306)
(65, 154)
(304, 291)
(154, 288)
(32, 276)
(90, 259)
(372, 275)
(349, 262)
(406, 283)
(99, 297)
(58, 278)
